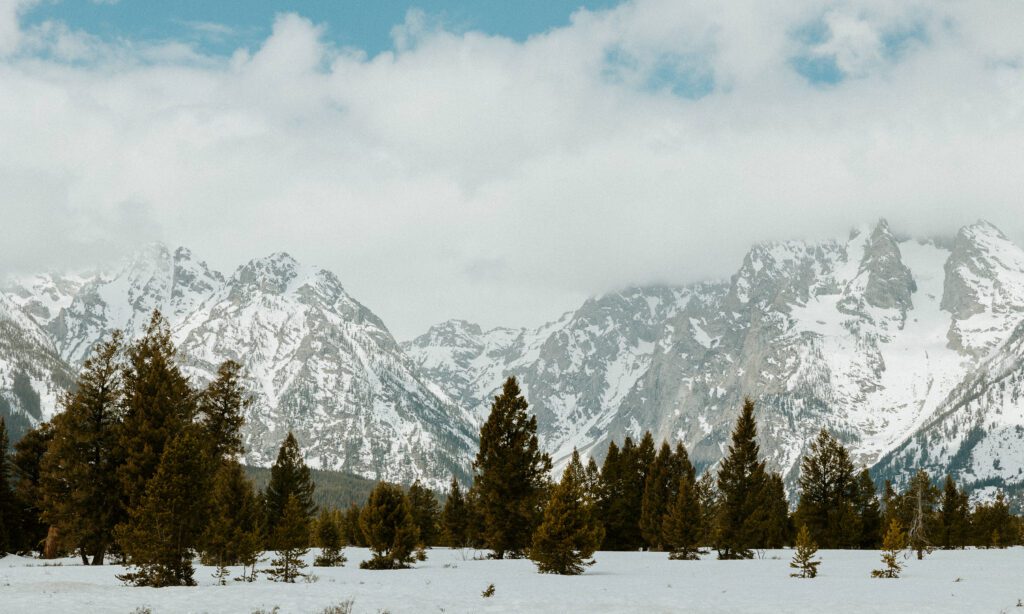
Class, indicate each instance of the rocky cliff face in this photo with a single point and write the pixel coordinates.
(317, 361)
(853, 335)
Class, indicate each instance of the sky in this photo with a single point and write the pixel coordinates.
(499, 162)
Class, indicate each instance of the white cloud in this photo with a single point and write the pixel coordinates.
(474, 176)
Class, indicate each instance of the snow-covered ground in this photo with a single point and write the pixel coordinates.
(451, 581)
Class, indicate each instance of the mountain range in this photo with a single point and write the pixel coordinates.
(910, 350)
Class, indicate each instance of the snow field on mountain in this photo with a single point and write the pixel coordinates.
(452, 581)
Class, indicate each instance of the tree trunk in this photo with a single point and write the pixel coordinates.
(97, 559)
(85, 558)
(50, 547)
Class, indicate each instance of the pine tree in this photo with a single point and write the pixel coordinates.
(158, 404)
(569, 533)
(390, 530)
(353, 532)
(918, 505)
(455, 518)
(659, 490)
(992, 523)
(771, 518)
(81, 494)
(8, 521)
(954, 515)
(426, 513)
(707, 497)
(288, 476)
(290, 540)
(683, 525)
(741, 482)
(232, 535)
(168, 521)
(510, 474)
(623, 477)
(868, 512)
(28, 494)
(803, 560)
(329, 539)
(895, 540)
(222, 407)
(828, 494)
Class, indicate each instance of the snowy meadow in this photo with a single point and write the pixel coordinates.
(453, 580)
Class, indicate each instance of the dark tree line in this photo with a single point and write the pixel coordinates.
(143, 467)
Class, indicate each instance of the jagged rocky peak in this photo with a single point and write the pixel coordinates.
(450, 333)
(779, 274)
(984, 288)
(270, 275)
(43, 296)
(890, 283)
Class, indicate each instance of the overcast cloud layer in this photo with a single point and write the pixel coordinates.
(464, 175)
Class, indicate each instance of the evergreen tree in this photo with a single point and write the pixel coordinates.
(81, 493)
(8, 521)
(455, 518)
(659, 491)
(426, 513)
(623, 477)
(890, 504)
(222, 406)
(771, 520)
(169, 520)
(992, 523)
(353, 532)
(741, 484)
(683, 525)
(917, 508)
(869, 514)
(288, 476)
(233, 533)
(390, 530)
(828, 494)
(329, 539)
(895, 540)
(27, 464)
(954, 516)
(158, 404)
(803, 560)
(290, 541)
(707, 497)
(569, 534)
(510, 474)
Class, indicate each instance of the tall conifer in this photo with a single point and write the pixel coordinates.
(741, 483)
(569, 533)
(8, 520)
(828, 494)
(222, 407)
(659, 491)
(169, 519)
(232, 535)
(79, 476)
(28, 494)
(288, 476)
(868, 512)
(158, 404)
(455, 517)
(955, 516)
(426, 513)
(511, 474)
(390, 530)
(290, 542)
